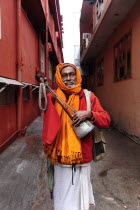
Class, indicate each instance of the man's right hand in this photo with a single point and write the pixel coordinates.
(81, 116)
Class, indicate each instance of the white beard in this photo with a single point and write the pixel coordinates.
(69, 84)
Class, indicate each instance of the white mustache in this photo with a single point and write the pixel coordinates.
(69, 83)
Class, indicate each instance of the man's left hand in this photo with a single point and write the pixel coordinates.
(81, 116)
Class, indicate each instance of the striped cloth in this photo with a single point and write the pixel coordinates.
(73, 197)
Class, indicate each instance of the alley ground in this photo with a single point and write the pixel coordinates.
(23, 174)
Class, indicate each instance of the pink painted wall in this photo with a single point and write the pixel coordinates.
(122, 99)
(8, 41)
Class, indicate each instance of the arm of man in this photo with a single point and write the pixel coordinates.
(101, 117)
(97, 115)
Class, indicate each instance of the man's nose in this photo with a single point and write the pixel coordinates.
(68, 77)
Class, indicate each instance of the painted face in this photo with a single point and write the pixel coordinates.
(68, 75)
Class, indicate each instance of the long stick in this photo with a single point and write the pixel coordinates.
(64, 109)
(59, 98)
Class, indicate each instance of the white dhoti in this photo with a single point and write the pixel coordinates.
(78, 196)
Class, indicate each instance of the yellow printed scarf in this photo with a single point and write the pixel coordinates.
(67, 146)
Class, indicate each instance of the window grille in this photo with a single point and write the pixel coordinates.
(86, 39)
(35, 94)
(9, 95)
(99, 9)
(26, 93)
(122, 58)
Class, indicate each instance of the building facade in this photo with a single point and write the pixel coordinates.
(30, 43)
(110, 50)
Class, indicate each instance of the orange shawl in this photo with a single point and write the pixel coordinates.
(67, 147)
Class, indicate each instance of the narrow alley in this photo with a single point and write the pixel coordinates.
(23, 174)
(64, 47)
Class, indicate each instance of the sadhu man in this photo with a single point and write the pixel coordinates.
(72, 189)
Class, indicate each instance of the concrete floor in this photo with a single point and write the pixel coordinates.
(23, 174)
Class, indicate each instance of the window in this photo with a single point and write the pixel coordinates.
(26, 93)
(50, 69)
(99, 9)
(122, 58)
(42, 57)
(9, 95)
(100, 72)
(35, 94)
(86, 39)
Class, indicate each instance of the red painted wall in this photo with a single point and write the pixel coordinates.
(10, 115)
(8, 121)
(30, 56)
(8, 53)
(8, 41)
(53, 35)
(30, 50)
(30, 112)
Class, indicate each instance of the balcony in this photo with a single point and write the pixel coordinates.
(112, 15)
(35, 14)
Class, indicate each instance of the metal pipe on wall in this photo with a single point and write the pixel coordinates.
(19, 65)
(46, 45)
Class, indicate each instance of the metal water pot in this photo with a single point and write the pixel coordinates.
(83, 129)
